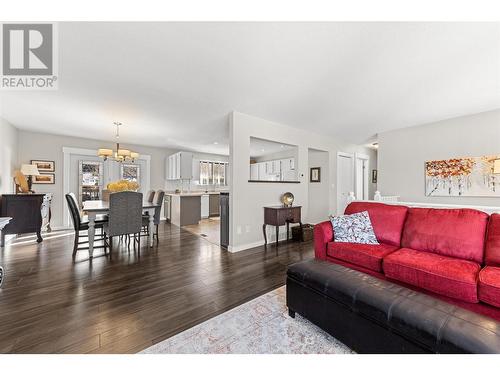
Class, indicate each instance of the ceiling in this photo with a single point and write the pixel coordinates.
(174, 84)
(261, 147)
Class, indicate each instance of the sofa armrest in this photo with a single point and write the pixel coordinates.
(323, 233)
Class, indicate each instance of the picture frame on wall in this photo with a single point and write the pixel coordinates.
(45, 179)
(374, 176)
(315, 174)
(44, 165)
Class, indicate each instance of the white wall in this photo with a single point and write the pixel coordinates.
(247, 199)
(8, 155)
(402, 154)
(50, 147)
(318, 191)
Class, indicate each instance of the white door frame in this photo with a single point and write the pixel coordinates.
(68, 151)
(358, 156)
(352, 157)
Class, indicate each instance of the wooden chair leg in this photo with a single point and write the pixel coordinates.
(75, 245)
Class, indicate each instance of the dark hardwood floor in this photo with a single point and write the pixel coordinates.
(123, 304)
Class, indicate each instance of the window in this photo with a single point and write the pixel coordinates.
(130, 172)
(213, 173)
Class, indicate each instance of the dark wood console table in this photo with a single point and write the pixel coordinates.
(25, 211)
(280, 215)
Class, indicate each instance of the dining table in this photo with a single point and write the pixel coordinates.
(92, 208)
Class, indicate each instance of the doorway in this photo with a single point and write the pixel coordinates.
(361, 177)
(345, 179)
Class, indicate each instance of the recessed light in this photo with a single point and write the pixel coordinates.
(216, 143)
(282, 146)
(263, 150)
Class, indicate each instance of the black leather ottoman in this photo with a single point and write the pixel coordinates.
(376, 316)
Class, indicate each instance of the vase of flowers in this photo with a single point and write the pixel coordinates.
(117, 186)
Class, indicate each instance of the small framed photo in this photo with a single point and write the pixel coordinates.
(44, 165)
(315, 174)
(374, 176)
(45, 179)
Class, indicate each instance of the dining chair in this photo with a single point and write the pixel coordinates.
(150, 195)
(158, 200)
(82, 224)
(125, 217)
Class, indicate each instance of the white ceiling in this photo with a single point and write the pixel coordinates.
(173, 84)
(261, 147)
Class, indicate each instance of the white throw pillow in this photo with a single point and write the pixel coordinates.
(355, 228)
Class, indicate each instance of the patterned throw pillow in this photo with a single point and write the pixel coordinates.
(355, 228)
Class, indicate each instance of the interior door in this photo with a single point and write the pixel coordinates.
(362, 176)
(345, 180)
(360, 179)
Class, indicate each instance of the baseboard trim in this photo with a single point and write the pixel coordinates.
(235, 249)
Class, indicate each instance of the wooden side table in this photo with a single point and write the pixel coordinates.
(3, 222)
(280, 215)
(26, 214)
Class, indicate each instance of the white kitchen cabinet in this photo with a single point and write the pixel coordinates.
(254, 171)
(180, 166)
(285, 165)
(276, 167)
(269, 168)
(169, 168)
(196, 169)
(288, 164)
(262, 171)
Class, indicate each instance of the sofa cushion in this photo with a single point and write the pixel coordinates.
(457, 233)
(368, 256)
(456, 278)
(489, 286)
(387, 220)
(355, 228)
(492, 250)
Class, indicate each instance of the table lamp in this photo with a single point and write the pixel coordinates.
(496, 166)
(29, 170)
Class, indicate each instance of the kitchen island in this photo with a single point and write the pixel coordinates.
(185, 208)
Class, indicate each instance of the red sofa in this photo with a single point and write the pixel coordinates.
(452, 254)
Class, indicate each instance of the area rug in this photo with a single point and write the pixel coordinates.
(261, 326)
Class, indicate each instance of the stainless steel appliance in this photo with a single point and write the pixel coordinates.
(224, 219)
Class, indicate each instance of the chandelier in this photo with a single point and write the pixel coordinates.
(120, 154)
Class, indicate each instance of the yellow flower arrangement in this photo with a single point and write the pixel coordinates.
(123, 185)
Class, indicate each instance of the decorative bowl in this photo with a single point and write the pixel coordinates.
(287, 199)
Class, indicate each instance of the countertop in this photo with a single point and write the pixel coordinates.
(193, 193)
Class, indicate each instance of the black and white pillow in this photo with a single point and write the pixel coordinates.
(355, 228)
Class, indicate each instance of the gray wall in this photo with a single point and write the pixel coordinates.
(49, 147)
(8, 155)
(402, 154)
